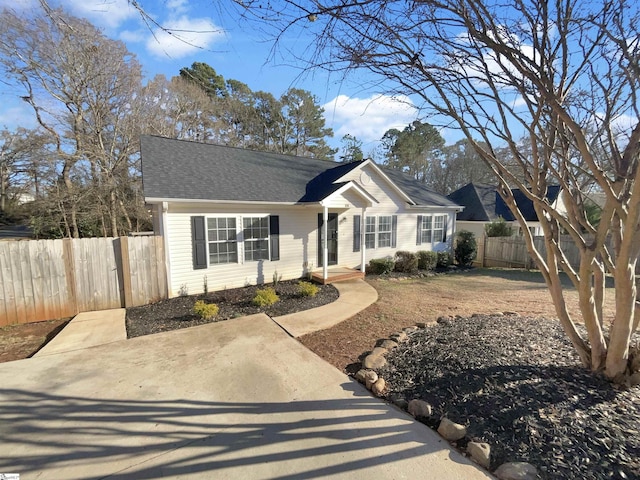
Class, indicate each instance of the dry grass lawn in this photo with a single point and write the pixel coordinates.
(403, 303)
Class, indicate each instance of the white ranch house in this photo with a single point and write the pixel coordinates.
(239, 217)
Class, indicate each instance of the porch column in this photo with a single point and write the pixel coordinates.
(325, 249)
(363, 224)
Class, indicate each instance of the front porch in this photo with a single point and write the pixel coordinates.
(336, 274)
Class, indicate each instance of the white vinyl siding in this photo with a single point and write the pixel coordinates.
(297, 245)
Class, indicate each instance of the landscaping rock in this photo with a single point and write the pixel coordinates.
(419, 408)
(421, 325)
(409, 330)
(379, 351)
(400, 402)
(451, 431)
(370, 378)
(516, 471)
(388, 344)
(360, 375)
(399, 337)
(480, 452)
(374, 362)
(378, 387)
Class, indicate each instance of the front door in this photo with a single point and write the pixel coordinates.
(332, 241)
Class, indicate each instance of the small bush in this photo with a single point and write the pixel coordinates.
(265, 297)
(205, 310)
(466, 248)
(498, 228)
(307, 289)
(444, 260)
(427, 260)
(406, 262)
(380, 266)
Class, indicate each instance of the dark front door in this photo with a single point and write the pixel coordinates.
(332, 239)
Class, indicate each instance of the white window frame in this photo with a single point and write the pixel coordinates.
(433, 228)
(376, 237)
(384, 236)
(252, 240)
(370, 232)
(226, 241)
(426, 233)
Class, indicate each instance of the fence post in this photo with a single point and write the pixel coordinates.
(70, 272)
(125, 269)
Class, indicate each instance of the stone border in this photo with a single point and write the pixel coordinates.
(419, 409)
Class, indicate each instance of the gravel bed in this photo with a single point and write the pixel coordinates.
(174, 313)
(517, 385)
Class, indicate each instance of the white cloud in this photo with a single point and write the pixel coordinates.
(368, 118)
(183, 36)
(105, 13)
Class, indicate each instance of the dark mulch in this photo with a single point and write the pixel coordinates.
(516, 383)
(177, 312)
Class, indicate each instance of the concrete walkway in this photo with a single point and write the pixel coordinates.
(88, 329)
(355, 296)
(238, 399)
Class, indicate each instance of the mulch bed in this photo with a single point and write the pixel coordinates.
(517, 384)
(174, 313)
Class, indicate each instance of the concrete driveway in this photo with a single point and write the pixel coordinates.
(235, 400)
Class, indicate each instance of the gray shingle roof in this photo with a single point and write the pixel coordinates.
(179, 169)
(483, 203)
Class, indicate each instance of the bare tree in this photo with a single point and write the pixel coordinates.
(564, 75)
(83, 89)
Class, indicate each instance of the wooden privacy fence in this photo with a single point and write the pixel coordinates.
(47, 279)
(511, 252)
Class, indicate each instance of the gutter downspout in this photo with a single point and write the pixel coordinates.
(164, 231)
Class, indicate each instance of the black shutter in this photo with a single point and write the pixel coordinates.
(444, 228)
(394, 230)
(198, 243)
(356, 233)
(274, 229)
(419, 231)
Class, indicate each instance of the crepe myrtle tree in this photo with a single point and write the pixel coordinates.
(552, 85)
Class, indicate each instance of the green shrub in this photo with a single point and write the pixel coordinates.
(466, 248)
(265, 297)
(427, 260)
(205, 310)
(307, 289)
(380, 266)
(406, 262)
(498, 228)
(444, 260)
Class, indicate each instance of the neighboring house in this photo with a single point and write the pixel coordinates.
(240, 217)
(483, 204)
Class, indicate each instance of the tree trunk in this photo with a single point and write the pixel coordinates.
(620, 337)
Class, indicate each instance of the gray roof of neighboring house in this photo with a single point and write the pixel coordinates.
(483, 203)
(180, 169)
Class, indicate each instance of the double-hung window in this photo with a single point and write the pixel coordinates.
(425, 229)
(223, 244)
(431, 229)
(380, 232)
(256, 238)
(370, 232)
(438, 228)
(384, 231)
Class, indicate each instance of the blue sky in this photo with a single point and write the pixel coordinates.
(234, 51)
